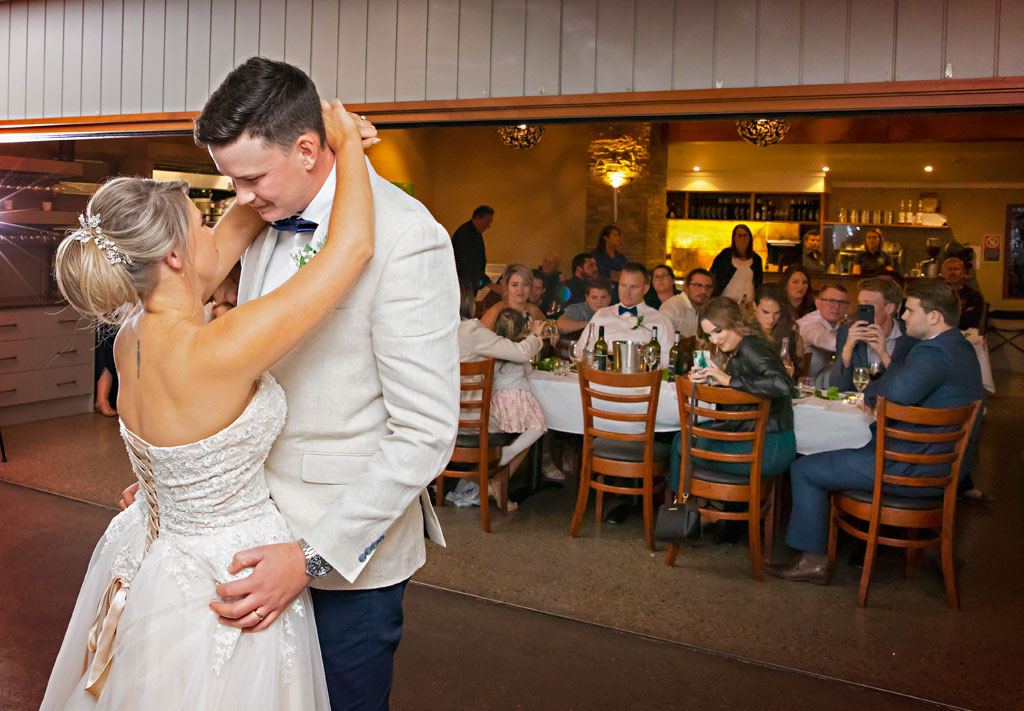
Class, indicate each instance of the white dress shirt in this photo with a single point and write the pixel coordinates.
(619, 328)
(281, 266)
(820, 336)
(679, 310)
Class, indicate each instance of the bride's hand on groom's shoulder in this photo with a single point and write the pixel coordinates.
(342, 125)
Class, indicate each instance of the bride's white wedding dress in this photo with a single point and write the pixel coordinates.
(142, 635)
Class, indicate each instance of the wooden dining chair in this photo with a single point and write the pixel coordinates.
(477, 451)
(617, 455)
(758, 494)
(927, 521)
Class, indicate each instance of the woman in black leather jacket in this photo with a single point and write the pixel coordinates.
(753, 366)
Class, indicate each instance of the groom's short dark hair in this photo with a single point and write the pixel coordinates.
(271, 100)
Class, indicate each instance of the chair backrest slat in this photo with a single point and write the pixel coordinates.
(650, 382)
(691, 395)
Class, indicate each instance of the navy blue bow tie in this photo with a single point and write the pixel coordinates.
(294, 224)
(623, 310)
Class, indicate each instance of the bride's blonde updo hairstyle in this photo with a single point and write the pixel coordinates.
(144, 220)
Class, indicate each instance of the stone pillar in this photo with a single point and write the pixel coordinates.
(641, 200)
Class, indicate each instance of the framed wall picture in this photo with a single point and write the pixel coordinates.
(1013, 258)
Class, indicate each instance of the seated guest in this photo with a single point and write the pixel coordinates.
(549, 276)
(777, 322)
(574, 289)
(610, 260)
(663, 286)
(813, 258)
(513, 410)
(517, 280)
(738, 270)
(537, 292)
(752, 366)
(861, 344)
(796, 282)
(972, 303)
(873, 260)
(819, 329)
(940, 371)
(577, 316)
(682, 308)
(631, 319)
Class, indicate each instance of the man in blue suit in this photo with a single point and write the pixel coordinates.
(940, 371)
(860, 344)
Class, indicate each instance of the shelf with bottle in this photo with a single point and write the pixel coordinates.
(888, 225)
(800, 208)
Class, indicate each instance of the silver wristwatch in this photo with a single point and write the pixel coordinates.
(316, 566)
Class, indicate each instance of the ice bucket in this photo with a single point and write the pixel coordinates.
(628, 356)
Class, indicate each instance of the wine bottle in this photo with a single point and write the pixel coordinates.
(673, 355)
(601, 351)
(653, 349)
(903, 213)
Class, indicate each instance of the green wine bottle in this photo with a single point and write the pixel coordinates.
(601, 351)
(653, 349)
(673, 356)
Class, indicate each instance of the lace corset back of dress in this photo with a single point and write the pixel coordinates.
(138, 455)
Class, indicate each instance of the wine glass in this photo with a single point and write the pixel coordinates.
(651, 360)
(875, 370)
(860, 380)
(806, 386)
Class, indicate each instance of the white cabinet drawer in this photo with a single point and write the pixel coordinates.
(62, 321)
(17, 356)
(63, 382)
(17, 388)
(16, 324)
(64, 351)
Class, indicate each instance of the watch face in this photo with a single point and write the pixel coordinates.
(318, 567)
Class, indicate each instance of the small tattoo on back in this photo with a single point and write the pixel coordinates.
(138, 358)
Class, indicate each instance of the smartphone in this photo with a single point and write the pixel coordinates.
(701, 359)
(865, 312)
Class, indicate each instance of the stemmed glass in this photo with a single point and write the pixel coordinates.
(651, 360)
(875, 370)
(861, 380)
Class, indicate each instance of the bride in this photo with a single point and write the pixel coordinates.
(198, 415)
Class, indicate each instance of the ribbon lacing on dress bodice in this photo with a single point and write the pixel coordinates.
(103, 632)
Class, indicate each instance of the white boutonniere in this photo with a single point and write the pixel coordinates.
(635, 322)
(302, 255)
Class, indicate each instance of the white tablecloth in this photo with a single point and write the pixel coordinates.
(820, 425)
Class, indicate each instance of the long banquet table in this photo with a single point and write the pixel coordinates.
(820, 425)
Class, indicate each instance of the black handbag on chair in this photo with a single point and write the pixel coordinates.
(680, 520)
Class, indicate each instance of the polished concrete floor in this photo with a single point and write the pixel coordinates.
(596, 622)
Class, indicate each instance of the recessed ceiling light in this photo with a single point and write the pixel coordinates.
(824, 169)
(696, 168)
(928, 169)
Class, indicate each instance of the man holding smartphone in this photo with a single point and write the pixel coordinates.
(875, 336)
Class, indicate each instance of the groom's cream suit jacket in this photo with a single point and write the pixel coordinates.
(372, 394)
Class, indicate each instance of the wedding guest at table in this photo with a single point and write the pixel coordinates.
(819, 329)
(681, 309)
(537, 292)
(972, 303)
(574, 289)
(518, 282)
(796, 282)
(577, 316)
(738, 270)
(610, 260)
(513, 355)
(631, 319)
(752, 366)
(873, 260)
(778, 322)
(469, 248)
(940, 370)
(663, 286)
(813, 256)
(861, 344)
(549, 275)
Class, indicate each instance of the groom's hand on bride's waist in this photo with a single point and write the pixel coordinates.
(278, 576)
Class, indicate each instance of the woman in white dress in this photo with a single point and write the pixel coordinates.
(198, 415)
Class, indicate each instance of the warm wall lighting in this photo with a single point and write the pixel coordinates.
(615, 179)
(928, 169)
(824, 169)
(696, 169)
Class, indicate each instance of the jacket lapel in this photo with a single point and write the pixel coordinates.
(254, 266)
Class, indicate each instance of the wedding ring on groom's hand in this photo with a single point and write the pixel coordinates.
(260, 614)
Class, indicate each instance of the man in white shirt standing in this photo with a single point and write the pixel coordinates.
(819, 329)
(681, 309)
(631, 319)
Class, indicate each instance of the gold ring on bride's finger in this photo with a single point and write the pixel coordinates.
(260, 614)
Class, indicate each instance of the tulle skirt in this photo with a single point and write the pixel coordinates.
(516, 411)
(170, 653)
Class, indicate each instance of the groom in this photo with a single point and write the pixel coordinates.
(372, 394)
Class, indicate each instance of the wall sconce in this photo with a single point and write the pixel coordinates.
(763, 131)
(620, 159)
